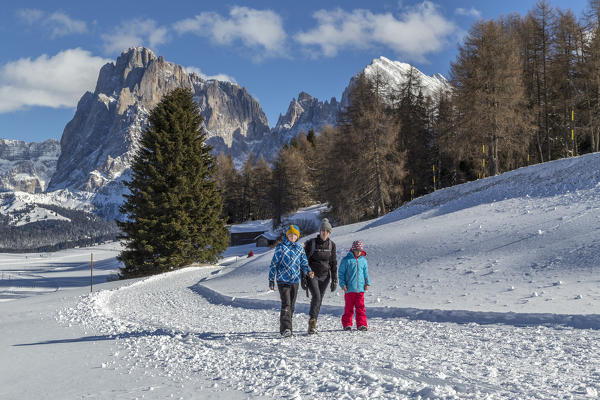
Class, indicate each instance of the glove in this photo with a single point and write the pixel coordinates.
(333, 285)
(271, 285)
(304, 281)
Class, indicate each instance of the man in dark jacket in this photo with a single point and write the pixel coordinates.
(320, 252)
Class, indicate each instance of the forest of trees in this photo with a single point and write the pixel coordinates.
(525, 90)
(82, 229)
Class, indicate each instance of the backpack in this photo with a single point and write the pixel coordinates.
(313, 244)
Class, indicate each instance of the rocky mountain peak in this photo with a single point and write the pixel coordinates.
(306, 113)
(395, 73)
(136, 57)
(99, 143)
(304, 97)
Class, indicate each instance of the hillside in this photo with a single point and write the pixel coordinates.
(525, 241)
(478, 291)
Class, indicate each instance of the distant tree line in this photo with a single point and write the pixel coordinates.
(525, 90)
(83, 229)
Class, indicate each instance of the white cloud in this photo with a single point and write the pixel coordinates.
(30, 15)
(219, 77)
(472, 12)
(133, 33)
(57, 81)
(416, 32)
(58, 23)
(260, 30)
(61, 25)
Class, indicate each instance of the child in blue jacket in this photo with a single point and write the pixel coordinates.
(353, 277)
(289, 257)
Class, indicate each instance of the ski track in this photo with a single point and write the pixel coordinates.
(163, 326)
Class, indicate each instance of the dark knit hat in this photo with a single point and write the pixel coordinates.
(325, 225)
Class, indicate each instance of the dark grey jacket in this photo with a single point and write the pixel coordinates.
(322, 261)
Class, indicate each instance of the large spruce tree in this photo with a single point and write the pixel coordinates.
(173, 211)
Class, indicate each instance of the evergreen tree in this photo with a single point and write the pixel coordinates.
(228, 181)
(312, 137)
(174, 207)
(415, 138)
(445, 152)
(290, 188)
(262, 189)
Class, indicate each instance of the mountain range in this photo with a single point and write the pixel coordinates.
(98, 144)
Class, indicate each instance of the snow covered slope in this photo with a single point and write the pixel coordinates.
(22, 207)
(510, 253)
(526, 241)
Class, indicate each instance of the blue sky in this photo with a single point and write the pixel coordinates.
(51, 52)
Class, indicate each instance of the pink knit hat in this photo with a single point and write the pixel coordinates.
(357, 245)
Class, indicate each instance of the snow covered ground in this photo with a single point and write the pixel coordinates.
(486, 290)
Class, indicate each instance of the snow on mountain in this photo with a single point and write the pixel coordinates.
(35, 214)
(22, 208)
(98, 144)
(394, 73)
(27, 166)
(478, 291)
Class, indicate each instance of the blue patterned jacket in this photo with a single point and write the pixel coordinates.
(289, 257)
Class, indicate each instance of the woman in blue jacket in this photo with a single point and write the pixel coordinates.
(353, 276)
(289, 257)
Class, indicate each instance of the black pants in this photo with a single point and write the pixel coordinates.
(317, 287)
(288, 293)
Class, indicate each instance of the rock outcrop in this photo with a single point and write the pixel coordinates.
(305, 114)
(99, 143)
(27, 167)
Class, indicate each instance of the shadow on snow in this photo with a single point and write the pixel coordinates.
(587, 321)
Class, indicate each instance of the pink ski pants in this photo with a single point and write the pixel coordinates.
(354, 300)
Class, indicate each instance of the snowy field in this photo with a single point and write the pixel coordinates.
(486, 290)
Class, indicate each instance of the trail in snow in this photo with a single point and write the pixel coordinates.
(165, 327)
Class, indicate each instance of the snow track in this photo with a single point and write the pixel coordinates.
(169, 326)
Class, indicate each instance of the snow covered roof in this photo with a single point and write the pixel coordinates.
(269, 235)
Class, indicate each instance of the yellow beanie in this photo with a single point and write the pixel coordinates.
(293, 229)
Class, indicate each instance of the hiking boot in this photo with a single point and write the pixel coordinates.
(312, 326)
(362, 328)
(286, 333)
(347, 328)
